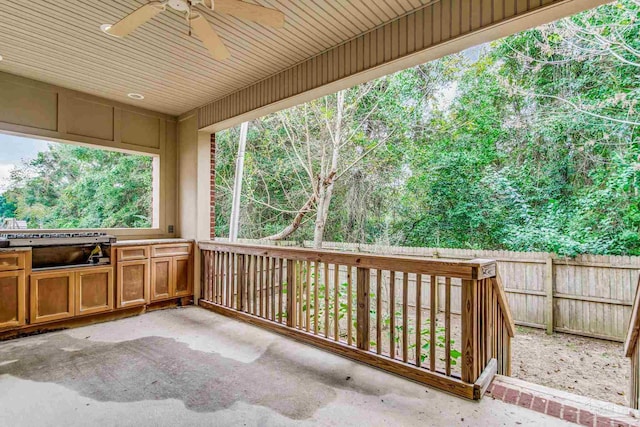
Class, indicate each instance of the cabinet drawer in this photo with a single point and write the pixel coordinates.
(12, 261)
(133, 253)
(170, 250)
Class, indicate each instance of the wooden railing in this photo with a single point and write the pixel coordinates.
(380, 310)
(632, 350)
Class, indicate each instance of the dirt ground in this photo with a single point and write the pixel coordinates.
(586, 366)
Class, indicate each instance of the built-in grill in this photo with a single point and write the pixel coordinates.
(62, 250)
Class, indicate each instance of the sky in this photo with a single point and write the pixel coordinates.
(13, 149)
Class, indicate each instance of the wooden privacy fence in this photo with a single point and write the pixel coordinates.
(589, 295)
(358, 305)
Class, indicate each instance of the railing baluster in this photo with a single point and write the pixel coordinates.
(349, 307)
(204, 257)
(254, 283)
(315, 297)
(308, 296)
(326, 300)
(216, 274)
(213, 263)
(263, 287)
(433, 311)
(221, 273)
(236, 282)
(447, 324)
(230, 279)
(271, 265)
(213, 276)
(227, 278)
(291, 293)
(241, 282)
(363, 308)
(336, 302)
(418, 320)
(280, 290)
(392, 315)
(300, 293)
(379, 274)
(405, 317)
(272, 262)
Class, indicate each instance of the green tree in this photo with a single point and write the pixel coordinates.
(7, 209)
(69, 186)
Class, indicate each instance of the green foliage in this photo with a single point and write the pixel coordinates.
(530, 143)
(69, 186)
(7, 208)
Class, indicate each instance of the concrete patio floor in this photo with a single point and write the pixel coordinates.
(189, 366)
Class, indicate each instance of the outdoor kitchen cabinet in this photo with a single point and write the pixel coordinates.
(94, 290)
(170, 271)
(182, 276)
(13, 289)
(12, 299)
(61, 294)
(153, 272)
(52, 296)
(161, 278)
(133, 283)
(133, 276)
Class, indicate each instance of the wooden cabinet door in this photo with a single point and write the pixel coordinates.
(161, 278)
(94, 290)
(133, 283)
(52, 296)
(182, 276)
(12, 299)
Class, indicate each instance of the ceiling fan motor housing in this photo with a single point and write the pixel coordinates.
(183, 5)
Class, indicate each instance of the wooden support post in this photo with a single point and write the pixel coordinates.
(549, 288)
(291, 293)
(469, 325)
(363, 308)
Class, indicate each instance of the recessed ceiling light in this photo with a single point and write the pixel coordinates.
(105, 29)
(135, 96)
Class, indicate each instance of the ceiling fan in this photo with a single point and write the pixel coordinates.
(197, 21)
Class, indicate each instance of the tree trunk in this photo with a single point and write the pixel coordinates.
(234, 222)
(323, 192)
(327, 184)
(295, 224)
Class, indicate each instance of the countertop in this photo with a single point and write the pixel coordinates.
(150, 242)
(18, 249)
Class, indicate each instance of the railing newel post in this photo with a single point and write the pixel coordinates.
(469, 323)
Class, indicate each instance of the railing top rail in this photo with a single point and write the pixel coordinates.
(467, 269)
(634, 325)
(504, 305)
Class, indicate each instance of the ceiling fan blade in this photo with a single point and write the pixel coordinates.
(209, 37)
(250, 12)
(135, 19)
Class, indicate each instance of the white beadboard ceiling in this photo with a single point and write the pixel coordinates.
(60, 42)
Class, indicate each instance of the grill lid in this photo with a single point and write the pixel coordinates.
(51, 239)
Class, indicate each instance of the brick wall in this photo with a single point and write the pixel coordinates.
(212, 189)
